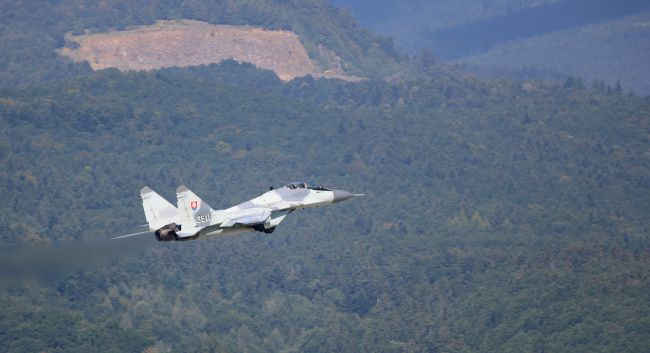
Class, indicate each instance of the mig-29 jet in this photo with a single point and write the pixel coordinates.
(195, 219)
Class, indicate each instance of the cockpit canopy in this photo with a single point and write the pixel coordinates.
(294, 186)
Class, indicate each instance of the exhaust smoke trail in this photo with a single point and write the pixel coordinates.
(23, 264)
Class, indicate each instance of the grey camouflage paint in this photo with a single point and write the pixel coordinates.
(193, 218)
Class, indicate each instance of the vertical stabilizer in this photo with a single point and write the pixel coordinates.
(158, 211)
(192, 211)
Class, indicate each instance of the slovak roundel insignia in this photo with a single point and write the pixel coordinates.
(194, 205)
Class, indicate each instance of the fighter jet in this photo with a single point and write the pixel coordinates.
(194, 219)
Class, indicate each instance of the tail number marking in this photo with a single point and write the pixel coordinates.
(203, 218)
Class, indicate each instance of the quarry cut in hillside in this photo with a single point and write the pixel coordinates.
(186, 43)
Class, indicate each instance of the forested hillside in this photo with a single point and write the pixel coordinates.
(30, 31)
(612, 51)
(406, 20)
(593, 39)
(501, 216)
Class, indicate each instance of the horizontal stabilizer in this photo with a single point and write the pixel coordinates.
(189, 232)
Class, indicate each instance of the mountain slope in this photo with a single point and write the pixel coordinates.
(192, 43)
(603, 40)
(31, 31)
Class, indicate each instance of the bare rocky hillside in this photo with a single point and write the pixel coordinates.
(187, 43)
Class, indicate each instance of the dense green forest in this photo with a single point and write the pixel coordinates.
(501, 216)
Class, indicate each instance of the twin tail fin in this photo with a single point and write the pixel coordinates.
(191, 212)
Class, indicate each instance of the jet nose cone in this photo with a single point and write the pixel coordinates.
(341, 195)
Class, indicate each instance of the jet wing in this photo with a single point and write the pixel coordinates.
(248, 217)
